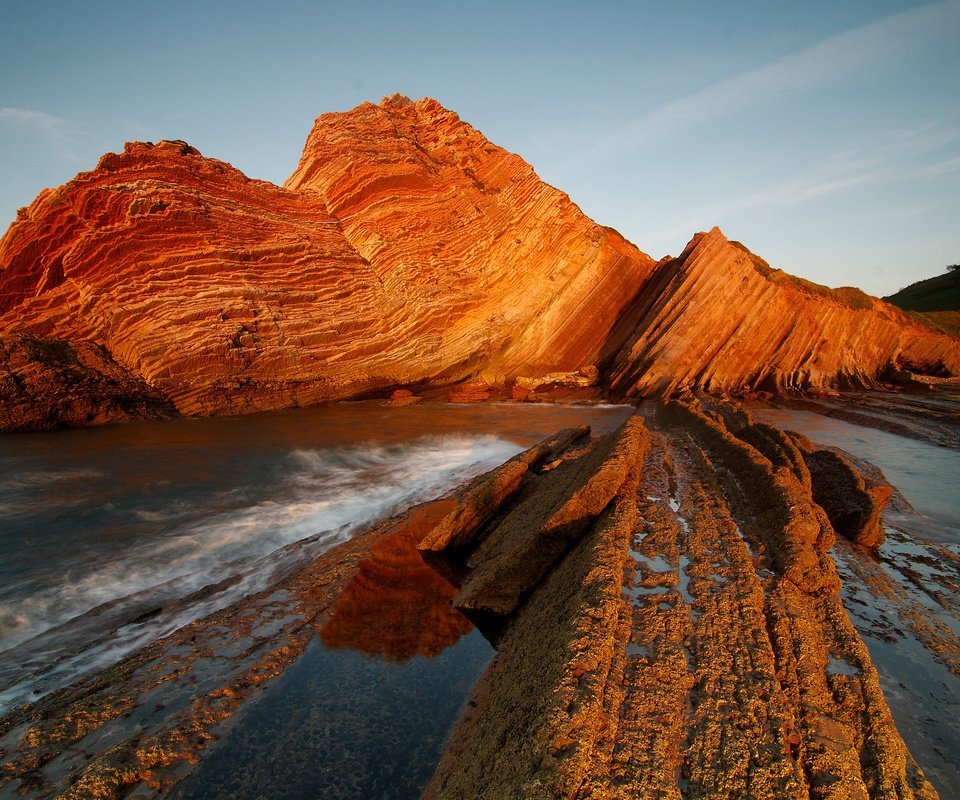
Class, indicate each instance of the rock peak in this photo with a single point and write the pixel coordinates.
(395, 100)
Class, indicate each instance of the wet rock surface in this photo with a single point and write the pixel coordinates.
(672, 613)
(143, 724)
(691, 643)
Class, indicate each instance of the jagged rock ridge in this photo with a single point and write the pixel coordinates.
(406, 250)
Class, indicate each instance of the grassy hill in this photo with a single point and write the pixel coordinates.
(934, 302)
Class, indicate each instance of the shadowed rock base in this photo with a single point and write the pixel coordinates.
(689, 641)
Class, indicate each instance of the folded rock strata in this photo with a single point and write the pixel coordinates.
(690, 641)
(719, 318)
(405, 251)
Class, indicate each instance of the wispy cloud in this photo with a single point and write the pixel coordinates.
(811, 67)
(58, 133)
(899, 156)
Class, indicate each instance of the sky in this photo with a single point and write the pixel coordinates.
(825, 136)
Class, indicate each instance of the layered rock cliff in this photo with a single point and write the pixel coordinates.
(487, 253)
(405, 250)
(719, 318)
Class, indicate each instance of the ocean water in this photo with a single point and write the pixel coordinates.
(102, 530)
(924, 473)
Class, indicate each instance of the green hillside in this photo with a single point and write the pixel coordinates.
(934, 302)
(941, 293)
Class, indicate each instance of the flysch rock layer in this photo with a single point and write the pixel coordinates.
(664, 642)
(223, 293)
(516, 278)
(406, 251)
(690, 642)
(719, 318)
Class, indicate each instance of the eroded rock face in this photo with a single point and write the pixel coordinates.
(672, 651)
(853, 502)
(510, 272)
(443, 256)
(406, 250)
(665, 640)
(46, 385)
(718, 318)
(223, 293)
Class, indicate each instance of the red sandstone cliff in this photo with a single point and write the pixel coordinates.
(488, 254)
(406, 249)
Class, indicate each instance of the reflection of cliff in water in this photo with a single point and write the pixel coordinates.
(395, 606)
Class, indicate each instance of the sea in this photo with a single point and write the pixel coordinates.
(103, 529)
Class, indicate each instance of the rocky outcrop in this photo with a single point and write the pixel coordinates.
(49, 384)
(853, 501)
(222, 293)
(719, 318)
(444, 256)
(501, 269)
(670, 650)
(405, 252)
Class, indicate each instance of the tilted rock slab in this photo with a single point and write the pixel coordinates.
(719, 318)
(672, 651)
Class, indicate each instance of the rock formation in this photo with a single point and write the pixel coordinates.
(666, 650)
(405, 252)
(54, 384)
(719, 318)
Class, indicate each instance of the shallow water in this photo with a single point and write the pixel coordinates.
(339, 725)
(925, 473)
(102, 529)
(904, 603)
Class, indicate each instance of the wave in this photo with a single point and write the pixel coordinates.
(312, 499)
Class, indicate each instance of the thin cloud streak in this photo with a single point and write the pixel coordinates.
(813, 66)
(889, 159)
(58, 133)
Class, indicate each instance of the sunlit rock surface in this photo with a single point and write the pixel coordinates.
(719, 318)
(689, 642)
(406, 251)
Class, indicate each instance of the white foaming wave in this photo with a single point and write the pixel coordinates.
(337, 490)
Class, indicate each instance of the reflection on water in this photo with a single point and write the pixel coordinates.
(395, 606)
(104, 530)
(365, 712)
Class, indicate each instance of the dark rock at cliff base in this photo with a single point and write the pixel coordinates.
(49, 384)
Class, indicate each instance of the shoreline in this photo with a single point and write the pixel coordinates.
(671, 578)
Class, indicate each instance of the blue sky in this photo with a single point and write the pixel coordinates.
(825, 136)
